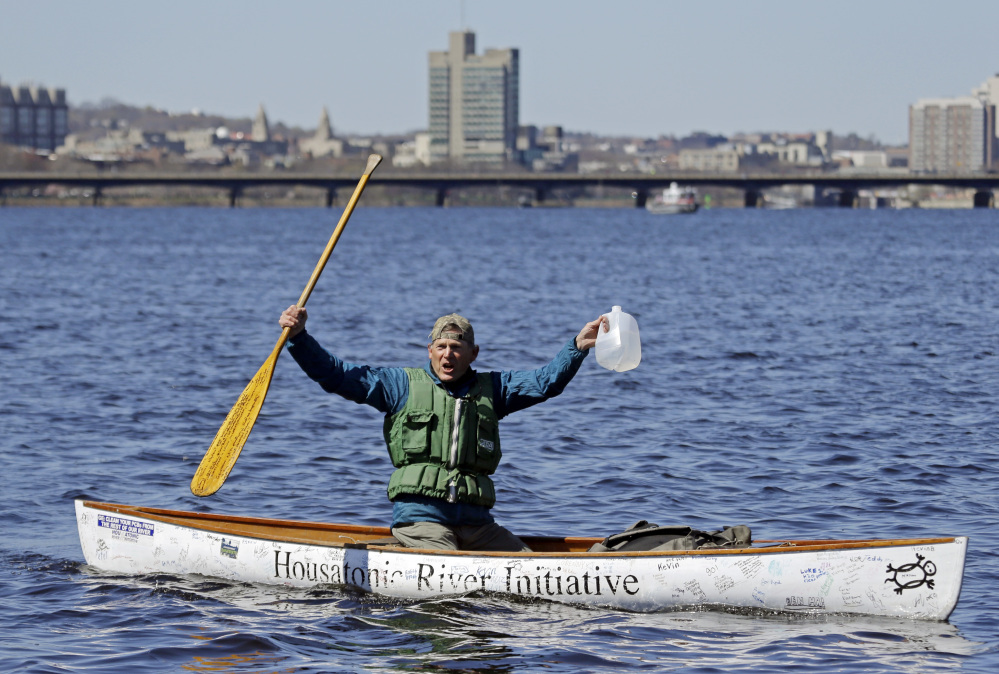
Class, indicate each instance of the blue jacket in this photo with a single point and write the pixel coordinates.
(387, 388)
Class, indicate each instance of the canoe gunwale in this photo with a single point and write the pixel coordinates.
(365, 537)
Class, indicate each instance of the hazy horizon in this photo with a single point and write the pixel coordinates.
(644, 69)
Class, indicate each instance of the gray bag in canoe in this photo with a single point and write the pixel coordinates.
(645, 537)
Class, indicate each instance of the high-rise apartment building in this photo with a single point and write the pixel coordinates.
(33, 117)
(951, 134)
(474, 102)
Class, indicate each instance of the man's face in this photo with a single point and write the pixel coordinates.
(451, 358)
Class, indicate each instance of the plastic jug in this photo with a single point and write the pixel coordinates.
(620, 348)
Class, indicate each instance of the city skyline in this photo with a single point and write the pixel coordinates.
(645, 69)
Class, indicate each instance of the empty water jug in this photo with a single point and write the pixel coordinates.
(619, 348)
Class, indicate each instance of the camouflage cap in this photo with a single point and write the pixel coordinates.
(445, 328)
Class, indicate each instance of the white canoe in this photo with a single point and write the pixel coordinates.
(913, 578)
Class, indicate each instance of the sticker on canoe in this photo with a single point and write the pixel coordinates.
(229, 549)
(912, 575)
(124, 529)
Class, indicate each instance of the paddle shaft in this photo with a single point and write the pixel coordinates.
(373, 162)
(324, 258)
(228, 443)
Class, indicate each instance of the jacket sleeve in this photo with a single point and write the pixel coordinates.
(520, 389)
(384, 388)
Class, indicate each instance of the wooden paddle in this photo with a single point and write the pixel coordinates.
(229, 441)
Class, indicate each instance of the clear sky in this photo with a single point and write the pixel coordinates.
(612, 67)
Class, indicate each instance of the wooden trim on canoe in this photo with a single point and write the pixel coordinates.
(360, 536)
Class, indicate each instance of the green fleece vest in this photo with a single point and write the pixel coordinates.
(437, 455)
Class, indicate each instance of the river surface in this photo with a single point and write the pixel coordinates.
(810, 373)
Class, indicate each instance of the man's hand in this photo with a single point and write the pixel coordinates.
(587, 337)
(294, 318)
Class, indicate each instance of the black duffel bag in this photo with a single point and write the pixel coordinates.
(645, 537)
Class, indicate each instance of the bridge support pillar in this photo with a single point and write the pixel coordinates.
(539, 195)
(96, 199)
(330, 197)
(234, 193)
(752, 199)
(441, 197)
(848, 199)
(983, 199)
(641, 198)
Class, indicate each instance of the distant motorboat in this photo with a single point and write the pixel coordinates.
(779, 201)
(674, 199)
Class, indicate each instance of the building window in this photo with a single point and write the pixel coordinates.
(24, 120)
(42, 121)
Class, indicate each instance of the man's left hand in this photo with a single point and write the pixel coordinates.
(587, 337)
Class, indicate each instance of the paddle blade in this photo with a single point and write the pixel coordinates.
(229, 441)
(373, 161)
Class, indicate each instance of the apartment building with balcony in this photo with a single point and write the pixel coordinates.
(948, 135)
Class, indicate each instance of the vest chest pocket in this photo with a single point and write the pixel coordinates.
(487, 449)
(416, 431)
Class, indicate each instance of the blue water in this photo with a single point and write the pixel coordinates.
(810, 373)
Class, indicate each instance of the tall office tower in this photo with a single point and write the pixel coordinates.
(474, 102)
(951, 134)
(33, 117)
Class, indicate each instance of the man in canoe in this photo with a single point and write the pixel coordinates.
(441, 426)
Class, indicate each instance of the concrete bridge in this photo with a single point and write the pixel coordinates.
(540, 185)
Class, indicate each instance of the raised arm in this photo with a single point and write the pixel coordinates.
(384, 388)
(520, 389)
